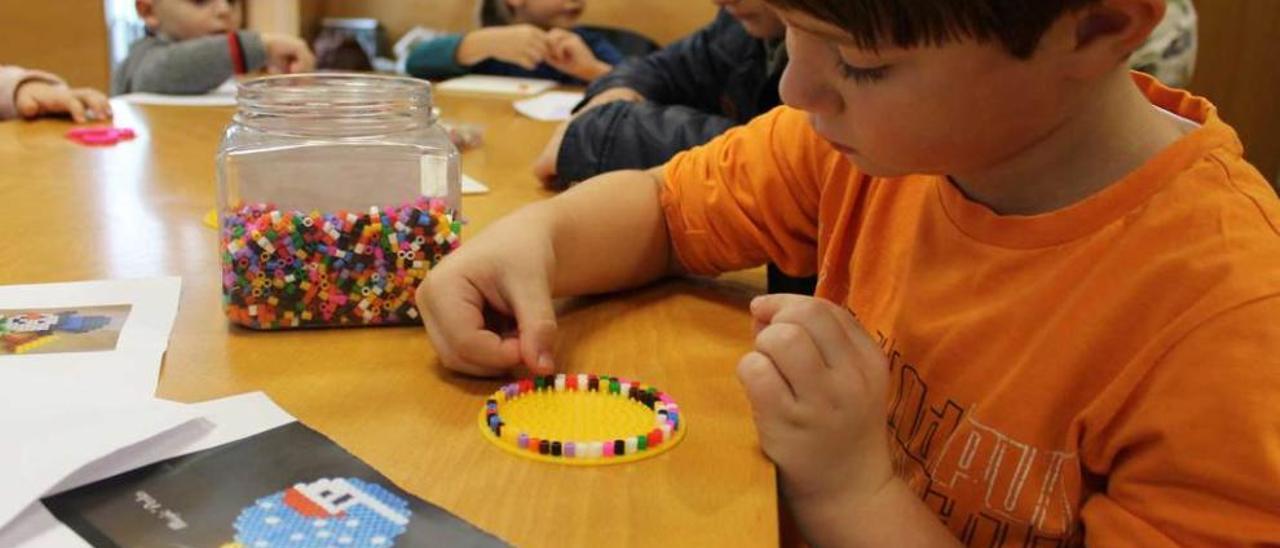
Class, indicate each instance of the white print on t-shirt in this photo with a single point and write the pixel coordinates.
(1028, 493)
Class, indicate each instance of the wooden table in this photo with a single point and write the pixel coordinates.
(134, 210)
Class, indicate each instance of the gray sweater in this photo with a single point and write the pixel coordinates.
(189, 67)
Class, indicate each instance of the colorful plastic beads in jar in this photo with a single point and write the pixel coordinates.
(337, 194)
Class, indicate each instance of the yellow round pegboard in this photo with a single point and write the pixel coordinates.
(581, 419)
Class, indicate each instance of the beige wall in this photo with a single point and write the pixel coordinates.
(66, 37)
(1238, 70)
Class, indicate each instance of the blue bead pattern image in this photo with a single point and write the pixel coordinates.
(370, 516)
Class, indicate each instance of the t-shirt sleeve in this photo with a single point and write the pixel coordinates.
(749, 196)
(1194, 457)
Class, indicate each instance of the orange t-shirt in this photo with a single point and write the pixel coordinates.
(1107, 373)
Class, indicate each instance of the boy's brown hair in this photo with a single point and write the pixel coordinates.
(1016, 24)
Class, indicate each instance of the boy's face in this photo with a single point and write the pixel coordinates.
(757, 17)
(547, 14)
(957, 109)
(187, 19)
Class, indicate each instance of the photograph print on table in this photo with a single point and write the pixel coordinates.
(61, 330)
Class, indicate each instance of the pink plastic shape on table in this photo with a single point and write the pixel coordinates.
(100, 136)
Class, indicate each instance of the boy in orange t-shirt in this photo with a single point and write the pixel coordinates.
(1048, 288)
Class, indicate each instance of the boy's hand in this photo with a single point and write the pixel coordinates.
(522, 45)
(613, 94)
(544, 167)
(39, 98)
(287, 54)
(817, 386)
(469, 300)
(570, 55)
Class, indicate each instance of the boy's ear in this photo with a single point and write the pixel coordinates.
(1107, 32)
(147, 12)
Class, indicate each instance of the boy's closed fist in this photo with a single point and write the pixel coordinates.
(570, 55)
(287, 54)
(817, 385)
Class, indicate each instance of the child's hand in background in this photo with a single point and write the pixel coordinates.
(523, 45)
(570, 55)
(287, 54)
(39, 98)
(817, 385)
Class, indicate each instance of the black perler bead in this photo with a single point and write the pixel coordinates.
(619, 448)
(593, 383)
(556, 448)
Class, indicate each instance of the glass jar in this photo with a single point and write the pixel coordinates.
(336, 194)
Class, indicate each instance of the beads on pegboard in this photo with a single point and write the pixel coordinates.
(666, 425)
(284, 269)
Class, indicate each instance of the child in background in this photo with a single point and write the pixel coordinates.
(31, 93)
(649, 108)
(524, 38)
(1047, 285)
(193, 46)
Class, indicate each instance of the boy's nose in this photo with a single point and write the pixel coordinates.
(806, 84)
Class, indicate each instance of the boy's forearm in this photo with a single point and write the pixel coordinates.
(894, 516)
(198, 65)
(471, 49)
(608, 233)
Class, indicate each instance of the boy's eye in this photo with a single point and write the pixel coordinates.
(862, 75)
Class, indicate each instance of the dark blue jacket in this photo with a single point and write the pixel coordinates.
(695, 89)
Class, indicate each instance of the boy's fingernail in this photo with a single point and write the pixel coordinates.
(545, 362)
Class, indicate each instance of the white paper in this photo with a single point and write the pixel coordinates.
(49, 446)
(45, 380)
(220, 421)
(222, 96)
(433, 175)
(472, 186)
(552, 106)
(476, 83)
(209, 424)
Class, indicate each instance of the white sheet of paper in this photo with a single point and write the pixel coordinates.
(220, 421)
(552, 106)
(472, 186)
(478, 83)
(50, 445)
(222, 96)
(44, 380)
